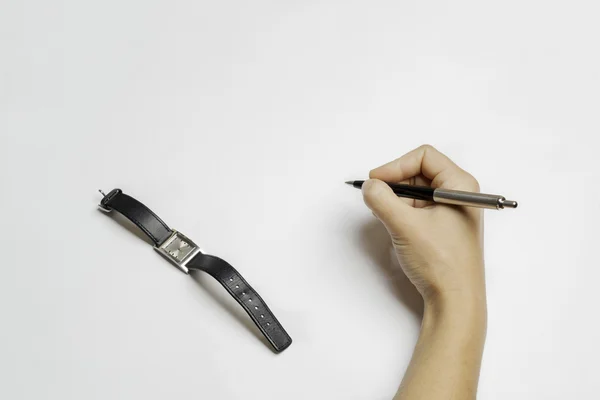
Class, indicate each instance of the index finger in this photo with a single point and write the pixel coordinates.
(432, 164)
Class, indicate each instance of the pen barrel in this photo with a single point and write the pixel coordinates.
(461, 198)
(413, 192)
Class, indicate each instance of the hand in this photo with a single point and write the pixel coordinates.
(440, 247)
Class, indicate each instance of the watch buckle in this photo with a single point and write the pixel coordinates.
(101, 206)
(105, 198)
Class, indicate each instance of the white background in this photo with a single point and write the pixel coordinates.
(238, 122)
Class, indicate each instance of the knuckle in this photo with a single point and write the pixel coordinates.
(472, 182)
(461, 180)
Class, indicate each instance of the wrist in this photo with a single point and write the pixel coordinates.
(468, 309)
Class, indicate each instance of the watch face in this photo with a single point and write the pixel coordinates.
(179, 248)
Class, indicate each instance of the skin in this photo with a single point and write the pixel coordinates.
(440, 249)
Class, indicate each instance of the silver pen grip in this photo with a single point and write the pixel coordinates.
(481, 200)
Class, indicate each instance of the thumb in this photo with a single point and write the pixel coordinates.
(388, 208)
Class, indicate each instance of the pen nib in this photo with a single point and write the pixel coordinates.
(349, 182)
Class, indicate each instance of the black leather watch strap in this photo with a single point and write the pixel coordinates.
(246, 296)
(186, 255)
(137, 213)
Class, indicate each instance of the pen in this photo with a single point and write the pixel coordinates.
(447, 196)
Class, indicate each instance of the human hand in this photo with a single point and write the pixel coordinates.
(440, 247)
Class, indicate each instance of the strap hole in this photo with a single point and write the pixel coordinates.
(237, 286)
(243, 293)
(250, 300)
(268, 324)
(262, 316)
(256, 307)
(230, 279)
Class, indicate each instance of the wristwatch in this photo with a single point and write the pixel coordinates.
(186, 255)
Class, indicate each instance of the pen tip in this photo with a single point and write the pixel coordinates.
(349, 182)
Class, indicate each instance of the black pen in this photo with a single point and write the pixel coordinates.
(447, 196)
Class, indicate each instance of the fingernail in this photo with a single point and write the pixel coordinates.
(372, 188)
(367, 185)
